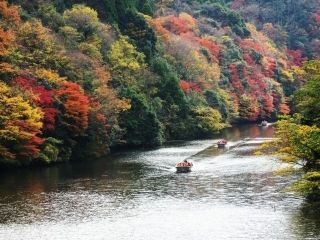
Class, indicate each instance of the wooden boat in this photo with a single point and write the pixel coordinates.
(222, 143)
(184, 167)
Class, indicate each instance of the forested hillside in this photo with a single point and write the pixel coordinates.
(291, 24)
(77, 77)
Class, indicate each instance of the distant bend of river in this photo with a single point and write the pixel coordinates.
(230, 194)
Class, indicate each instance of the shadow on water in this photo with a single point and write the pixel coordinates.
(306, 220)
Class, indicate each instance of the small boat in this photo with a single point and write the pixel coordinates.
(222, 143)
(184, 167)
(264, 123)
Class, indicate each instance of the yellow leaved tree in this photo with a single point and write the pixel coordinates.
(125, 60)
(20, 123)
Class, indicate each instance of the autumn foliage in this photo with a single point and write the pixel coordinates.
(20, 125)
(73, 85)
(9, 12)
(42, 97)
(75, 107)
(189, 86)
(252, 78)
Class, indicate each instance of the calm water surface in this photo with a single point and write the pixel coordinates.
(230, 194)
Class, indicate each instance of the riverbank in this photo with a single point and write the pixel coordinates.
(11, 165)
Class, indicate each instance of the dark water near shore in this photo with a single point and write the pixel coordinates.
(230, 194)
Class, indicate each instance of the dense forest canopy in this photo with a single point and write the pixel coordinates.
(291, 24)
(78, 77)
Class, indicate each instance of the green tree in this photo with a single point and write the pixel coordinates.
(82, 18)
(308, 97)
(140, 122)
(297, 139)
(208, 121)
(137, 29)
(125, 60)
(50, 151)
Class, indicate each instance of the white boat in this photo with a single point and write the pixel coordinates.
(264, 123)
(184, 167)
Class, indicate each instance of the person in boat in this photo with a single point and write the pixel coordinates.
(187, 164)
(181, 164)
(222, 141)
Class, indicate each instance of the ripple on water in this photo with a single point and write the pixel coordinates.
(176, 221)
(230, 194)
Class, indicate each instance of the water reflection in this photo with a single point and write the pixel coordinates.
(230, 194)
(306, 221)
